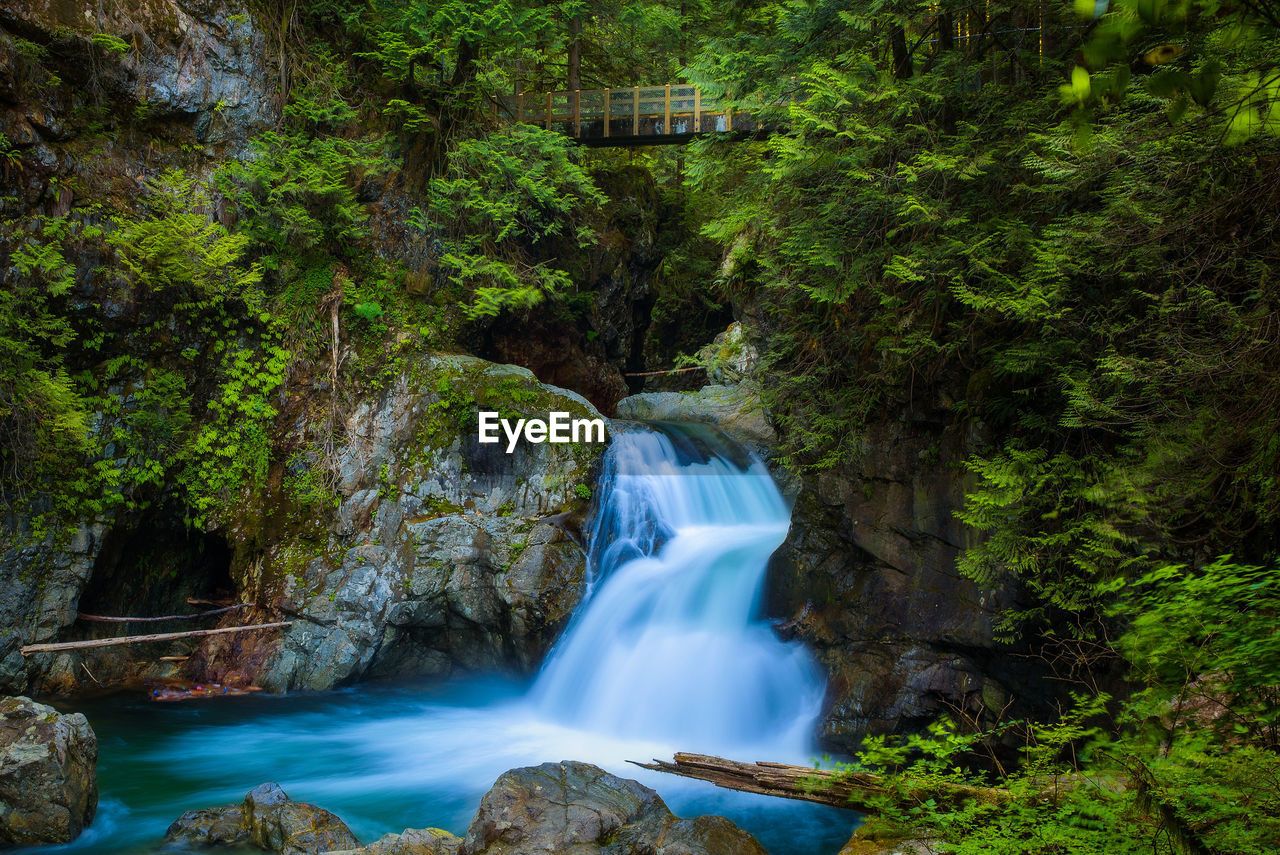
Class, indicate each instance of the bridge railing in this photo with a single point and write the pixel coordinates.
(674, 110)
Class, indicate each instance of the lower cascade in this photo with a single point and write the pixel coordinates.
(669, 643)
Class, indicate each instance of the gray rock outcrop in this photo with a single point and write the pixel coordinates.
(444, 553)
(202, 61)
(40, 586)
(867, 578)
(568, 808)
(267, 819)
(735, 410)
(48, 783)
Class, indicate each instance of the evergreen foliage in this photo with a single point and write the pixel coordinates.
(506, 200)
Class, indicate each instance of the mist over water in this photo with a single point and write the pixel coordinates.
(668, 652)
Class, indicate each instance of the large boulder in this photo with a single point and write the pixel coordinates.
(48, 786)
(443, 553)
(573, 808)
(267, 819)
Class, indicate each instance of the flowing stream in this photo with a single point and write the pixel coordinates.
(668, 652)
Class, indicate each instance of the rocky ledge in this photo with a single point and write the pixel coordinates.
(409, 549)
(48, 789)
(567, 807)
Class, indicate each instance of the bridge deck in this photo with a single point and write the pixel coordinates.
(636, 115)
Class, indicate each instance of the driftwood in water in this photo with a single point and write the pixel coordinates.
(854, 790)
(104, 619)
(28, 649)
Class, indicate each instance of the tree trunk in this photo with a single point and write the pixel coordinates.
(860, 791)
(465, 71)
(28, 649)
(575, 53)
(901, 57)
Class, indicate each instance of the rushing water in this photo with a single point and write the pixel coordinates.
(668, 652)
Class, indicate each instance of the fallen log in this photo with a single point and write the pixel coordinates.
(105, 619)
(28, 649)
(860, 791)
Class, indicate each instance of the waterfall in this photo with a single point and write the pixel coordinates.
(670, 643)
(668, 652)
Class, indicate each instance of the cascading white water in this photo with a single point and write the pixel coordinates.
(669, 643)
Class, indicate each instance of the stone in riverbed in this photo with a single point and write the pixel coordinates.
(411, 841)
(267, 819)
(48, 787)
(575, 808)
(567, 808)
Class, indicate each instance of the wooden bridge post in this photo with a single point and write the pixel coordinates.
(635, 112)
(577, 114)
(520, 108)
(697, 110)
(547, 117)
(608, 108)
(666, 112)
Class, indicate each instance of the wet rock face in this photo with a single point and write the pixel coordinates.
(445, 553)
(579, 809)
(867, 577)
(735, 410)
(40, 587)
(48, 783)
(267, 819)
(203, 62)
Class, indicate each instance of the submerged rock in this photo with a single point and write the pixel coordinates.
(267, 819)
(48, 786)
(577, 808)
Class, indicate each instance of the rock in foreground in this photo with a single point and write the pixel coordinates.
(579, 809)
(48, 787)
(411, 841)
(267, 819)
(565, 808)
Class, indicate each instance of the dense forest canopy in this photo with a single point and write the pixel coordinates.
(1056, 225)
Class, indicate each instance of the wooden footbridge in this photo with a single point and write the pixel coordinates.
(637, 115)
